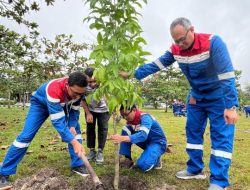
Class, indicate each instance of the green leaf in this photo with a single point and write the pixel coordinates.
(118, 47)
(112, 103)
(99, 38)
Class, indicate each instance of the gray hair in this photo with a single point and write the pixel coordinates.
(181, 21)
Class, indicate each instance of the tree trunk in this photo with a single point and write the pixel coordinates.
(116, 178)
(9, 94)
(23, 100)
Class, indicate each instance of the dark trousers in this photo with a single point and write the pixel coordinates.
(102, 124)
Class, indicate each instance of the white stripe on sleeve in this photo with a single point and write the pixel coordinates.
(79, 137)
(57, 115)
(159, 64)
(145, 129)
(77, 108)
(126, 130)
(227, 75)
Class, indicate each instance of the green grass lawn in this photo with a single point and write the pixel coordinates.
(55, 156)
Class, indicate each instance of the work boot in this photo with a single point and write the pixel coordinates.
(80, 170)
(126, 162)
(184, 174)
(99, 157)
(91, 155)
(4, 182)
(158, 166)
(215, 187)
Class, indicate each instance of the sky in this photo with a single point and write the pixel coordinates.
(229, 19)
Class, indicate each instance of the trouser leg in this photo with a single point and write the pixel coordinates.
(36, 116)
(222, 138)
(195, 128)
(102, 123)
(75, 160)
(125, 147)
(91, 134)
(150, 156)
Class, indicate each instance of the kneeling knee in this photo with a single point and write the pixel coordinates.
(144, 166)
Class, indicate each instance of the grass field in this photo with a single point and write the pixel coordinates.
(45, 153)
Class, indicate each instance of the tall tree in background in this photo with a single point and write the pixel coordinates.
(14, 48)
(118, 48)
(165, 86)
(64, 55)
(247, 95)
(241, 93)
(25, 62)
(17, 10)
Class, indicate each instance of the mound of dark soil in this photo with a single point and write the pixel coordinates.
(126, 183)
(46, 179)
(49, 179)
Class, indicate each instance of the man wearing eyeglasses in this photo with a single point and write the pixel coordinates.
(143, 130)
(205, 61)
(60, 99)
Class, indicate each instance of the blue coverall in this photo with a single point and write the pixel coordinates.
(49, 100)
(149, 136)
(209, 70)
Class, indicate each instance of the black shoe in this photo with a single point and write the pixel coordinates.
(80, 170)
(4, 181)
(126, 163)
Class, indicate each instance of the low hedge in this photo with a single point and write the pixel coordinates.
(6, 102)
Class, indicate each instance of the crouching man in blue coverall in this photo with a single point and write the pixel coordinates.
(60, 99)
(205, 61)
(144, 131)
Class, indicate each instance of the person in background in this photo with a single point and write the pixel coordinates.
(60, 99)
(247, 110)
(95, 112)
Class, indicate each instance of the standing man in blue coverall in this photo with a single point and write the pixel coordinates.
(247, 110)
(144, 131)
(205, 61)
(60, 99)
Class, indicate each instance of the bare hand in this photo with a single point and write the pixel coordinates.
(119, 138)
(73, 131)
(124, 74)
(89, 118)
(78, 148)
(230, 116)
(116, 138)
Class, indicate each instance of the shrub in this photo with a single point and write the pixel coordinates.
(6, 102)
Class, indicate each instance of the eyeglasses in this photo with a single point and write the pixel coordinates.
(93, 81)
(125, 115)
(76, 93)
(182, 39)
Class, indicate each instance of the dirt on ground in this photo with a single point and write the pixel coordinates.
(125, 183)
(46, 179)
(49, 179)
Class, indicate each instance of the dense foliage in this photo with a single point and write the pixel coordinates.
(118, 48)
